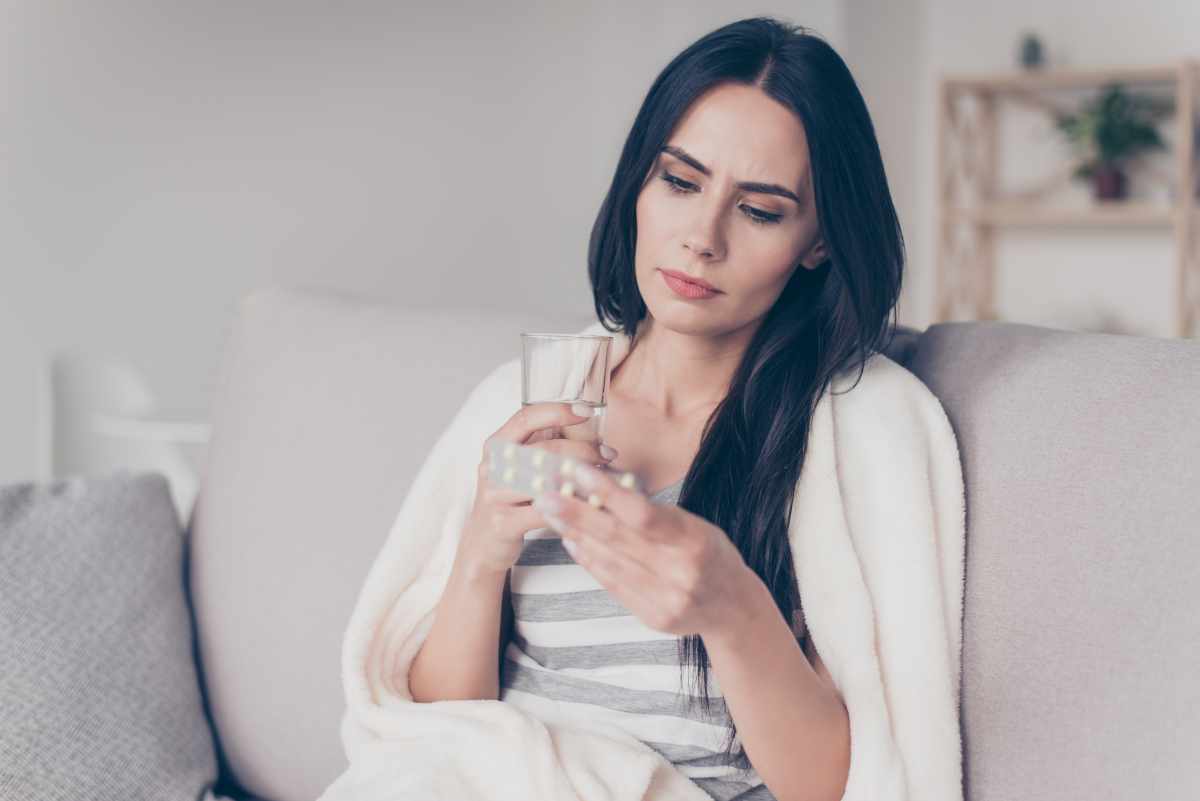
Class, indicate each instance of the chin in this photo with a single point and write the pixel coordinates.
(682, 319)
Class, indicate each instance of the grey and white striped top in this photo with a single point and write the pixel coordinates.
(578, 657)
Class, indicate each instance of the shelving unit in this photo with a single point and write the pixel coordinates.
(971, 209)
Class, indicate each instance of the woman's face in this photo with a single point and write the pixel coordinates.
(696, 219)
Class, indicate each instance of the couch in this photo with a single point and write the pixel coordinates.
(1080, 454)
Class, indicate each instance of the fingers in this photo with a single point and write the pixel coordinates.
(524, 519)
(629, 506)
(507, 526)
(499, 494)
(618, 571)
(535, 417)
(585, 451)
(597, 535)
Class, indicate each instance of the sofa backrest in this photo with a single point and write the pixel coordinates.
(326, 407)
(1081, 460)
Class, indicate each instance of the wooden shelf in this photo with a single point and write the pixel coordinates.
(968, 163)
(1120, 215)
(1041, 80)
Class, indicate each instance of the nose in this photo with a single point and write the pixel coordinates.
(703, 233)
(703, 240)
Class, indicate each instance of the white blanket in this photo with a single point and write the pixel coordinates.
(877, 536)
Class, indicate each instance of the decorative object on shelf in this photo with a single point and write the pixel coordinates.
(973, 209)
(1032, 56)
(1110, 131)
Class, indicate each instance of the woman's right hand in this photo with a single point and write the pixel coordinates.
(494, 533)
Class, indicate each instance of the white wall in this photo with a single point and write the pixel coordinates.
(1064, 278)
(160, 160)
(884, 51)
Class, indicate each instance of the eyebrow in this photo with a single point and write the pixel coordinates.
(749, 186)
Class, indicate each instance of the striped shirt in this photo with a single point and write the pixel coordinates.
(578, 657)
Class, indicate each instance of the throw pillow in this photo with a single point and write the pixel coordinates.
(99, 694)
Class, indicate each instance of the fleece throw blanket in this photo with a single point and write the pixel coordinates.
(877, 535)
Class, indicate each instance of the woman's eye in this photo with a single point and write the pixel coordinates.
(675, 184)
(761, 217)
(757, 216)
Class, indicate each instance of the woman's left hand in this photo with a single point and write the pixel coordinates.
(672, 569)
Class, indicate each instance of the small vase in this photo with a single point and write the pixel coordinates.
(1108, 182)
(1031, 52)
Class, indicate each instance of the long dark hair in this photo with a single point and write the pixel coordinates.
(826, 320)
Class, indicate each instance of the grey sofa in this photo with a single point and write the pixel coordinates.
(1080, 455)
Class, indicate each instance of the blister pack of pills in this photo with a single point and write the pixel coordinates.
(533, 470)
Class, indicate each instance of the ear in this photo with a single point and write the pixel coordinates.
(816, 254)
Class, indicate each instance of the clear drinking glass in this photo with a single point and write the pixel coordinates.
(567, 368)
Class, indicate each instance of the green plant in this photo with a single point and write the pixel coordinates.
(1113, 128)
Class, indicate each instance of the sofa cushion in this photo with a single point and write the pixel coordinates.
(327, 405)
(99, 696)
(1080, 459)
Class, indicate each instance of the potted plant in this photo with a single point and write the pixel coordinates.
(1109, 131)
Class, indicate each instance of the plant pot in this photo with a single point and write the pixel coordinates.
(1108, 182)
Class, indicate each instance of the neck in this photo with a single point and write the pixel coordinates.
(679, 375)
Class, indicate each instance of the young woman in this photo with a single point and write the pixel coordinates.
(749, 247)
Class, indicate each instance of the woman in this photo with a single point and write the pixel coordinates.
(752, 169)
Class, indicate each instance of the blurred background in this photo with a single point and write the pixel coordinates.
(161, 159)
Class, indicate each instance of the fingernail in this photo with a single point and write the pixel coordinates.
(607, 452)
(569, 547)
(582, 410)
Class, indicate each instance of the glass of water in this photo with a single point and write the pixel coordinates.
(567, 368)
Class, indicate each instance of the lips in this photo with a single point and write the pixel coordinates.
(687, 289)
(682, 276)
